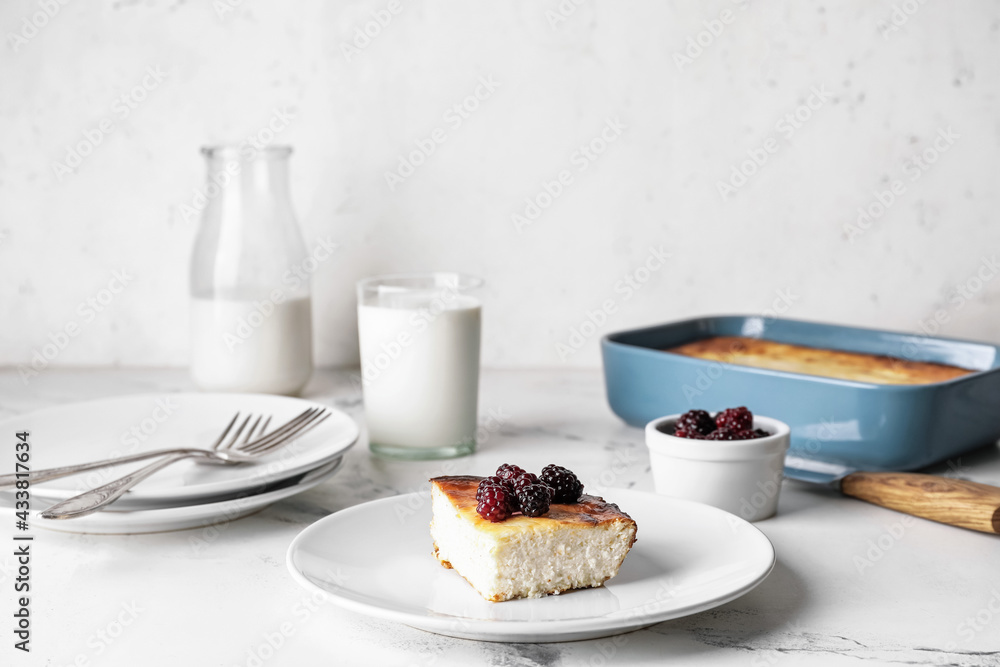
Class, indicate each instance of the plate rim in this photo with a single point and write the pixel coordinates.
(501, 630)
(213, 488)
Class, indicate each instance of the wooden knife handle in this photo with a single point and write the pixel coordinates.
(952, 501)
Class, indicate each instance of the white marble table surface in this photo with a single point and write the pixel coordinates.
(929, 595)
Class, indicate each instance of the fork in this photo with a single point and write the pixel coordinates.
(39, 476)
(225, 450)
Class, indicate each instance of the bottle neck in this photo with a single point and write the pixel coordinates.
(252, 178)
(249, 238)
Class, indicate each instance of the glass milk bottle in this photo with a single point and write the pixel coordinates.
(251, 316)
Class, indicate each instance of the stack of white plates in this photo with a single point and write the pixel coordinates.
(187, 494)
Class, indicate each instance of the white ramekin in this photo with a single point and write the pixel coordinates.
(740, 476)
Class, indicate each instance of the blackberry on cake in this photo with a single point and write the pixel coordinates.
(566, 485)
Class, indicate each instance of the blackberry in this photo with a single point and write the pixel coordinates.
(523, 480)
(737, 419)
(487, 482)
(507, 472)
(565, 484)
(747, 434)
(494, 505)
(725, 433)
(496, 482)
(694, 423)
(534, 499)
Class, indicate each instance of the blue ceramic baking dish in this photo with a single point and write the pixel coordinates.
(859, 424)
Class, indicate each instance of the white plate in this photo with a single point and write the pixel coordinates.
(107, 428)
(116, 522)
(377, 559)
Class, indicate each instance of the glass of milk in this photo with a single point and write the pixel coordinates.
(251, 318)
(419, 336)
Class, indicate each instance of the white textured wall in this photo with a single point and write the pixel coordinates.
(678, 127)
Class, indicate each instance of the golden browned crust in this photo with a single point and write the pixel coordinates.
(592, 510)
(443, 562)
(815, 361)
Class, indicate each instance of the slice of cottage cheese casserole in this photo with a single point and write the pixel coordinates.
(578, 545)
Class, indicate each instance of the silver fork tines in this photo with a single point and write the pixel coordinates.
(227, 449)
